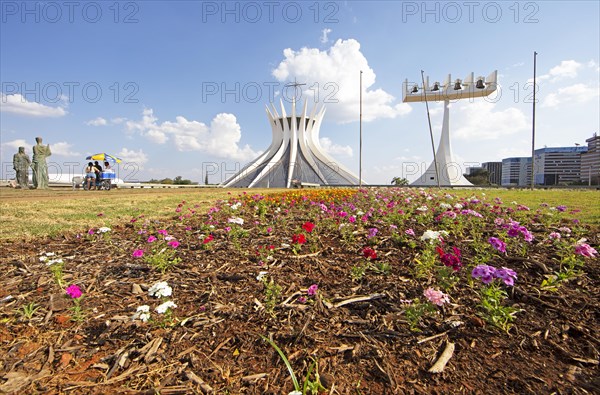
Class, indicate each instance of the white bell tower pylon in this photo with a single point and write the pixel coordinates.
(444, 170)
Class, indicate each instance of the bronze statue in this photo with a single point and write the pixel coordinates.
(39, 165)
(21, 163)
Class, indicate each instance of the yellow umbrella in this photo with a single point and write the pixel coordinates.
(103, 156)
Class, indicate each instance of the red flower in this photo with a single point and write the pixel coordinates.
(449, 259)
(208, 239)
(308, 227)
(298, 239)
(369, 253)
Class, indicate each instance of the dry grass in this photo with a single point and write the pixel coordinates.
(29, 214)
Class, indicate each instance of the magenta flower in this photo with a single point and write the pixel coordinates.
(497, 244)
(138, 253)
(409, 232)
(73, 291)
(151, 239)
(554, 235)
(173, 243)
(312, 290)
(584, 249)
(449, 259)
(163, 232)
(436, 297)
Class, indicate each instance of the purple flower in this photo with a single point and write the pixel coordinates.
(73, 291)
(372, 232)
(507, 275)
(513, 231)
(485, 272)
(312, 290)
(497, 244)
(584, 249)
(561, 208)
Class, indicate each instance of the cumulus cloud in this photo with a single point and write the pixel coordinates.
(481, 121)
(221, 138)
(566, 69)
(578, 93)
(62, 148)
(335, 149)
(133, 157)
(15, 144)
(332, 78)
(17, 104)
(97, 122)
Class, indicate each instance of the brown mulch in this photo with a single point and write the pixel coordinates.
(363, 346)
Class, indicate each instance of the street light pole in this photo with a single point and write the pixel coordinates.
(360, 142)
(533, 126)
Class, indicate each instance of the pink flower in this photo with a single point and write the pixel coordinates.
(312, 290)
(436, 297)
(584, 249)
(138, 253)
(163, 232)
(308, 227)
(73, 291)
(173, 243)
(409, 232)
(497, 244)
(151, 239)
(554, 235)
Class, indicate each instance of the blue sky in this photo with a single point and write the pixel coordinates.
(180, 87)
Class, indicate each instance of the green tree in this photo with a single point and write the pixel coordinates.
(399, 181)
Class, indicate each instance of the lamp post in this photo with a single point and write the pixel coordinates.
(360, 137)
(469, 88)
(533, 125)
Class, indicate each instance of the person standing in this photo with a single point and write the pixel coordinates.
(98, 174)
(39, 165)
(21, 163)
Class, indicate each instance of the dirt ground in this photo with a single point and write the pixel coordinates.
(356, 330)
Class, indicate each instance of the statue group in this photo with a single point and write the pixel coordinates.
(22, 163)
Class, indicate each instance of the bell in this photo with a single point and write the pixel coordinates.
(415, 89)
(457, 86)
(480, 84)
(436, 87)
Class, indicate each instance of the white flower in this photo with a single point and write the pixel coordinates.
(236, 220)
(53, 261)
(433, 235)
(261, 275)
(43, 258)
(445, 206)
(142, 313)
(165, 306)
(236, 205)
(169, 238)
(50, 254)
(295, 393)
(104, 229)
(422, 208)
(458, 206)
(160, 289)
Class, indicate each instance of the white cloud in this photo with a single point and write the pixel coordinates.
(334, 76)
(566, 69)
(15, 144)
(480, 121)
(220, 139)
(17, 104)
(578, 93)
(63, 149)
(335, 149)
(97, 122)
(133, 157)
(118, 120)
(325, 35)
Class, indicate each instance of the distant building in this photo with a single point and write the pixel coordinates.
(516, 171)
(590, 161)
(558, 165)
(494, 170)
